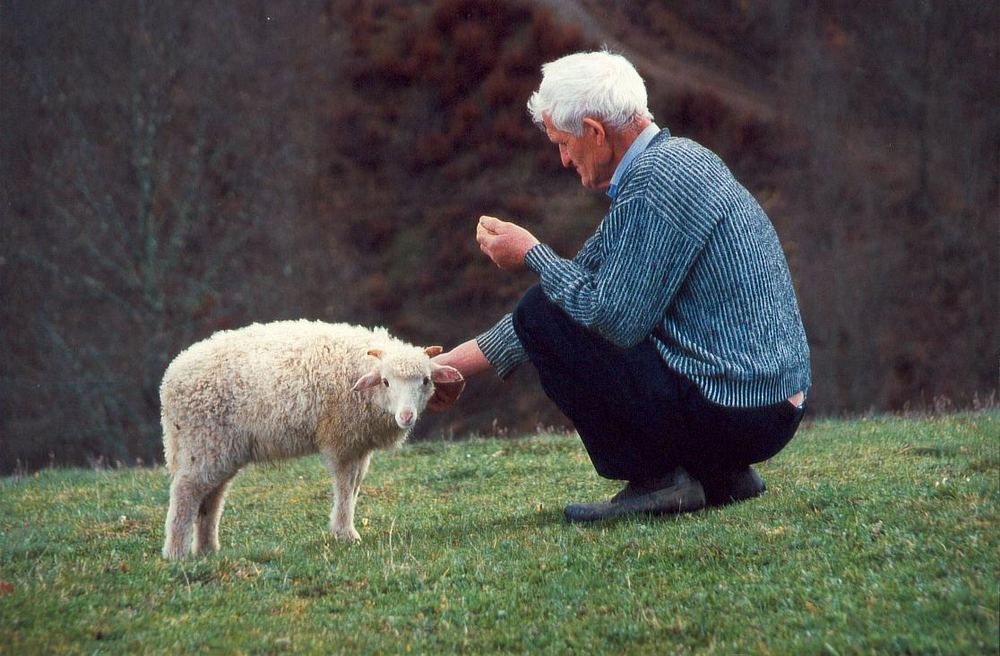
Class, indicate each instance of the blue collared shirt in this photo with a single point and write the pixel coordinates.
(633, 151)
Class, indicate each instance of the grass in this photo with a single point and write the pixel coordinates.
(876, 536)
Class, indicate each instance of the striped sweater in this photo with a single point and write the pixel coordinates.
(687, 257)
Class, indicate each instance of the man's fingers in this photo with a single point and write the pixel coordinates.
(485, 245)
(502, 242)
(487, 240)
(484, 233)
(445, 395)
(489, 223)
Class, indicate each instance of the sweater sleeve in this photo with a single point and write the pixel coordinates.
(502, 347)
(645, 260)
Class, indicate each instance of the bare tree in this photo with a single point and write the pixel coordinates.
(154, 177)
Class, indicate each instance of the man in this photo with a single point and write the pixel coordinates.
(673, 339)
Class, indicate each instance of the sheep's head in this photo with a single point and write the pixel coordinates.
(403, 381)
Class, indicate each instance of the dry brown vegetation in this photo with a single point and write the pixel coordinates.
(171, 169)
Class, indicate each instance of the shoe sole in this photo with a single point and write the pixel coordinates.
(653, 504)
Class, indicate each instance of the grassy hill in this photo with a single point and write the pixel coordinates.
(876, 536)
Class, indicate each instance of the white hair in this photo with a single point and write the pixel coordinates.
(599, 85)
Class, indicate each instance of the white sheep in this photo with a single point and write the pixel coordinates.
(281, 390)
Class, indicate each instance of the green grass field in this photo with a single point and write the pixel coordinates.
(876, 536)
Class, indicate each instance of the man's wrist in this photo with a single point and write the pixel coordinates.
(538, 256)
(501, 347)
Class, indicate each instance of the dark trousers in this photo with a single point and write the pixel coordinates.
(639, 419)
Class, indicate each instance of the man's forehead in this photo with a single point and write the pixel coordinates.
(551, 130)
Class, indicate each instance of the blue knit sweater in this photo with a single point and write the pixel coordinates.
(687, 257)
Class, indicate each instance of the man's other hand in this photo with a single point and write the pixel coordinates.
(503, 242)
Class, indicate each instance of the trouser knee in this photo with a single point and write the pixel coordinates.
(539, 323)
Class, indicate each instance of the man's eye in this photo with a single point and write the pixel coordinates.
(426, 380)
(385, 381)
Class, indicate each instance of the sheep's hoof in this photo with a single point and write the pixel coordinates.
(205, 549)
(175, 554)
(346, 534)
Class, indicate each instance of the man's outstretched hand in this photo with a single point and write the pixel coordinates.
(503, 242)
(445, 394)
(468, 360)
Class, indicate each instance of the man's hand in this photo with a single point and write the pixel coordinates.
(504, 243)
(468, 360)
(445, 394)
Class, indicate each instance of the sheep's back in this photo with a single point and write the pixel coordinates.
(273, 381)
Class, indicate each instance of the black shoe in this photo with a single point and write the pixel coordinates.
(676, 493)
(734, 486)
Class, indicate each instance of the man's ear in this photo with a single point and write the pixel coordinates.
(595, 128)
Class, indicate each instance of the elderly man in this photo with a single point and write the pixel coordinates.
(673, 339)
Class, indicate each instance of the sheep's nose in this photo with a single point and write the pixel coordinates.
(405, 417)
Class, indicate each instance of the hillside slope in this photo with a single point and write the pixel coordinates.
(179, 168)
(875, 536)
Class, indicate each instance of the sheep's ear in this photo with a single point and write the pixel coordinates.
(431, 351)
(376, 353)
(441, 373)
(369, 380)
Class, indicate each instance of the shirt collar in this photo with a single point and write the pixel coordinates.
(633, 151)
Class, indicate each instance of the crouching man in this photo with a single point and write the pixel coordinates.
(673, 339)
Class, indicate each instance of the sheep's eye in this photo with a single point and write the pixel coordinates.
(385, 381)
(426, 380)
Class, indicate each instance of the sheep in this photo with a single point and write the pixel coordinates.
(280, 390)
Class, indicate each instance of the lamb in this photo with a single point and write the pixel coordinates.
(281, 390)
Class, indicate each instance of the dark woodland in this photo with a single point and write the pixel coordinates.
(170, 169)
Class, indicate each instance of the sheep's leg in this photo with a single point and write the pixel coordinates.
(186, 494)
(347, 475)
(362, 472)
(207, 536)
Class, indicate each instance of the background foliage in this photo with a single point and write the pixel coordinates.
(171, 169)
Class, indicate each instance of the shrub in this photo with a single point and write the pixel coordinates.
(502, 17)
(512, 127)
(426, 52)
(553, 39)
(432, 148)
(499, 89)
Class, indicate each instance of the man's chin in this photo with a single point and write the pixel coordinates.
(595, 186)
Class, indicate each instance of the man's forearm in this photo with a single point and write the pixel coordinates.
(466, 357)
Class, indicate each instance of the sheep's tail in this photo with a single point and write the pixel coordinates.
(169, 444)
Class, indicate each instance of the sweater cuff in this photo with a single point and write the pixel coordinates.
(502, 347)
(540, 256)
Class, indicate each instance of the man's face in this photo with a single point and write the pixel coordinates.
(588, 153)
